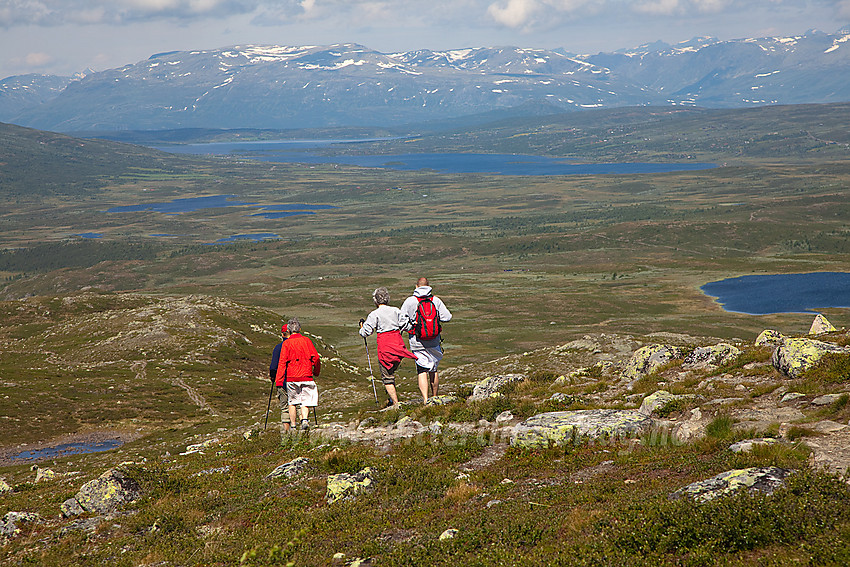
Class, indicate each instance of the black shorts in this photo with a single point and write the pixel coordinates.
(388, 374)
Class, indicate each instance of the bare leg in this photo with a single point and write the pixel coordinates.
(435, 382)
(423, 385)
(293, 417)
(391, 392)
(305, 412)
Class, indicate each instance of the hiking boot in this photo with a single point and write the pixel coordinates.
(305, 424)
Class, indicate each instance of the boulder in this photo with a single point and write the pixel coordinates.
(648, 359)
(795, 356)
(44, 475)
(4, 486)
(290, 469)
(103, 495)
(826, 399)
(657, 400)
(791, 397)
(747, 445)
(562, 427)
(485, 388)
(717, 355)
(769, 337)
(754, 479)
(450, 533)
(9, 525)
(821, 325)
(345, 486)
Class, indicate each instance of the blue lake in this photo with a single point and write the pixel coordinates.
(293, 151)
(188, 205)
(67, 449)
(781, 293)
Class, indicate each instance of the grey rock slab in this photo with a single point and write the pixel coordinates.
(563, 427)
(288, 470)
(754, 479)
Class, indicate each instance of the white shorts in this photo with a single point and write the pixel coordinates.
(303, 394)
(429, 358)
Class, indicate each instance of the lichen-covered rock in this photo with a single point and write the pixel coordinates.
(562, 427)
(71, 507)
(290, 469)
(489, 386)
(795, 356)
(4, 486)
(105, 494)
(754, 479)
(747, 445)
(44, 475)
(442, 400)
(450, 533)
(346, 486)
(821, 325)
(717, 355)
(9, 525)
(769, 337)
(647, 359)
(657, 400)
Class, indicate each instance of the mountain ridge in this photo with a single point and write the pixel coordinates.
(272, 86)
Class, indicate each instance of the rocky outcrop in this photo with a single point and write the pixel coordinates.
(821, 325)
(346, 486)
(563, 427)
(795, 356)
(103, 495)
(290, 469)
(754, 479)
(647, 359)
(4, 486)
(442, 400)
(489, 386)
(708, 356)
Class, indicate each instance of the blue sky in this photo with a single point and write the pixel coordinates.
(68, 36)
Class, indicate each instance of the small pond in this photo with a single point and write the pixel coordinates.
(781, 293)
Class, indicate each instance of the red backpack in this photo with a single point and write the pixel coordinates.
(427, 323)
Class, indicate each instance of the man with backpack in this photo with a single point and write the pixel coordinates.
(298, 366)
(426, 313)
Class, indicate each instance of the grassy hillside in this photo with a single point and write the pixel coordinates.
(143, 330)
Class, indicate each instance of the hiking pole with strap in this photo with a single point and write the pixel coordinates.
(268, 409)
(372, 376)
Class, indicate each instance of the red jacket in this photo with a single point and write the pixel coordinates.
(299, 361)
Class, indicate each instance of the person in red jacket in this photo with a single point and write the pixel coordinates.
(299, 364)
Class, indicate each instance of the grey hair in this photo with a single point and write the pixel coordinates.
(293, 325)
(381, 296)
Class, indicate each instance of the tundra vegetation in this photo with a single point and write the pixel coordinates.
(152, 335)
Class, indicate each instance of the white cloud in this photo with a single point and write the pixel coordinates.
(513, 13)
(524, 15)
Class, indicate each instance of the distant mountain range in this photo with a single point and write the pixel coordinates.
(351, 85)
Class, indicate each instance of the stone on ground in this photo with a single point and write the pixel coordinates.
(345, 486)
(485, 388)
(103, 495)
(795, 356)
(754, 479)
(290, 469)
(821, 325)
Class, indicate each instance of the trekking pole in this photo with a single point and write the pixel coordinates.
(316, 415)
(372, 376)
(270, 407)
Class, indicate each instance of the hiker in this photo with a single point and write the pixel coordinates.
(426, 311)
(388, 322)
(280, 390)
(299, 364)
